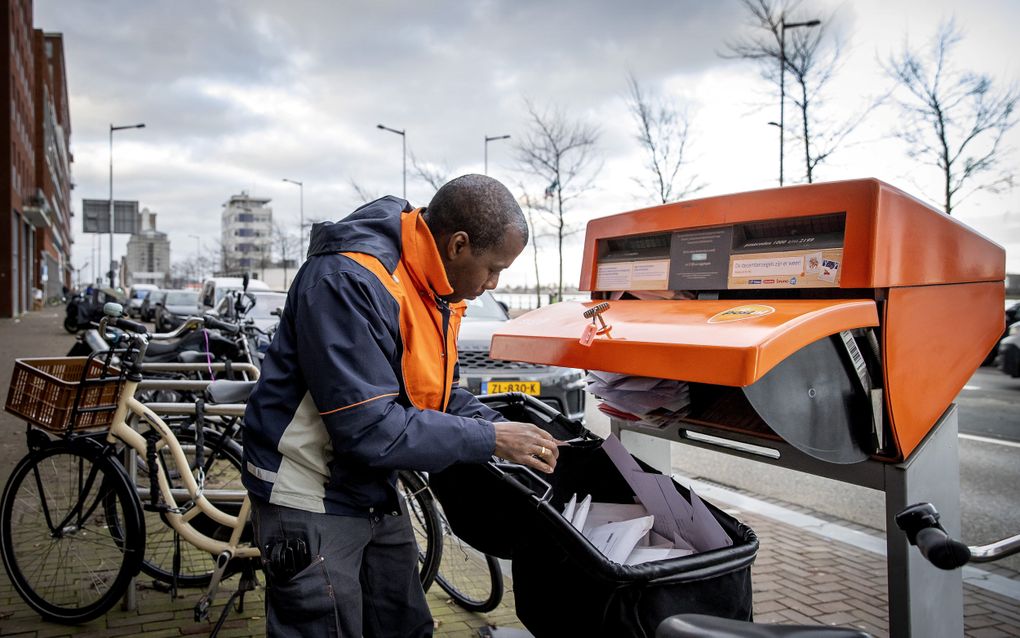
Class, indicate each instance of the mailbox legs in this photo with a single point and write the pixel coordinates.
(925, 600)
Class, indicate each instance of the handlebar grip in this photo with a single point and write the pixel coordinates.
(130, 326)
(213, 322)
(940, 550)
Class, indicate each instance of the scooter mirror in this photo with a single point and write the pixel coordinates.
(111, 309)
(244, 282)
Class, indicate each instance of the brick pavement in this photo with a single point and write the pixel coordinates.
(797, 578)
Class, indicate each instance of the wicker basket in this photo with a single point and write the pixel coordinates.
(43, 393)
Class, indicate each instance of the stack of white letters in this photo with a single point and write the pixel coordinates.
(661, 525)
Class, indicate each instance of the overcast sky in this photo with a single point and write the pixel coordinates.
(238, 95)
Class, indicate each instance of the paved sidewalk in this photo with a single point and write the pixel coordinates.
(798, 577)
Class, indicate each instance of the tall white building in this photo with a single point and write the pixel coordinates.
(148, 253)
(246, 234)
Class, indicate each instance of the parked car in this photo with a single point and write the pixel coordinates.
(153, 299)
(136, 296)
(1012, 316)
(266, 301)
(561, 388)
(177, 305)
(215, 288)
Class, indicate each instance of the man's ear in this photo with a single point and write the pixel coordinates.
(457, 245)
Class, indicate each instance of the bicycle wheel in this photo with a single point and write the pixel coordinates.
(60, 510)
(421, 508)
(474, 580)
(222, 466)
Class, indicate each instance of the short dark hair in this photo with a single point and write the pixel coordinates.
(478, 205)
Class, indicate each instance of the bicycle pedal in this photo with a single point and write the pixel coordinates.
(202, 609)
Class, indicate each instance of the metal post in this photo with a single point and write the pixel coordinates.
(925, 600)
(403, 135)
(112, 129)
(301, 220)
(783, 26)
(782, 95)
(111, 205)
(491, 139)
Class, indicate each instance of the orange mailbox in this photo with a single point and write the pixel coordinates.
(842, 318)
(830, 324)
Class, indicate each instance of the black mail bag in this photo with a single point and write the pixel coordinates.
(563, 586)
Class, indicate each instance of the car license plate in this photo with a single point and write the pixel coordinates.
(533, 388)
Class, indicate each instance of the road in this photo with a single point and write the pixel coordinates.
(989, 468)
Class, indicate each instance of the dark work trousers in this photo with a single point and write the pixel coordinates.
(362, 580)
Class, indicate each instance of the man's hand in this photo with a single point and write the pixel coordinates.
(526, 444)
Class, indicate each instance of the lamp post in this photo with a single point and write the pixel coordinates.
(198, 257)
(301, 229)
(112, 129)
(783, 26)
(403, 135)
(491, 139)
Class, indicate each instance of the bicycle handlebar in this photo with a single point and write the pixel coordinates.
(941, 550)
(130, 326)
(225, 326)
(920, 522)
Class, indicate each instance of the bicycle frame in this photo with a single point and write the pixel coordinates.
(199, 503)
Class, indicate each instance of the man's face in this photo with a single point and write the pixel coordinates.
(471, 273)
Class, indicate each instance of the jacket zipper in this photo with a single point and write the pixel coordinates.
(444, 310)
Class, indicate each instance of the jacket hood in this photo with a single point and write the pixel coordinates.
(373, 229)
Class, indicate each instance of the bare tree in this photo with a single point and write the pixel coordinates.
(286, 246)
(664, 134)
(432, 174)
(560, 152)
(531, 208)
(811, 57)
(954, 120)
(364, 195)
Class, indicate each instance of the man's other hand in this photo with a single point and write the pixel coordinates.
(526, 444)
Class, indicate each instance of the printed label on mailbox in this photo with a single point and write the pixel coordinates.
(740, 313)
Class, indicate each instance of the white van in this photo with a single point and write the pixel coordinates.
(215, 288)
(136, 296)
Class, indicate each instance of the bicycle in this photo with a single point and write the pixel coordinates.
(72, 529)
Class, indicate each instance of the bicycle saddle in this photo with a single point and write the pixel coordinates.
(701, 626)
(229, 391)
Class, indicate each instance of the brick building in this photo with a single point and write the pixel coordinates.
(35, 162)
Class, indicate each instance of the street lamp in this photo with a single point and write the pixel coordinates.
(784, 25)
(403, 135)
(301, 229)
(112, 129)
(491, 139)
(198, 257)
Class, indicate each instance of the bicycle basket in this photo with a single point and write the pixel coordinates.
(43, 392)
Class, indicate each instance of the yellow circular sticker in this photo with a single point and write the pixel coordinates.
(741, 312)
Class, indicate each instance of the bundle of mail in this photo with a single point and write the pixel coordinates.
(659, 402)
(661, 525)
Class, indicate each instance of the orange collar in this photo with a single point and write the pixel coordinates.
(421, 256)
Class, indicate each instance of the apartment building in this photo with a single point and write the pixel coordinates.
(246, 234)
(148, 253)
(35, 162)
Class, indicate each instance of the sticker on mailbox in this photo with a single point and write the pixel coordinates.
(741, 312)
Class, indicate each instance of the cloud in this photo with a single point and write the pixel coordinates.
(237, 95)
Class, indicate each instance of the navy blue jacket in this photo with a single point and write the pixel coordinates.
(361, 379)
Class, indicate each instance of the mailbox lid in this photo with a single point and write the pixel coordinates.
(722, 342)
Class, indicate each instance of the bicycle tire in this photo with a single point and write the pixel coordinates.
(222, 468)
(425, 521)
(77, 572)
(460, 575)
